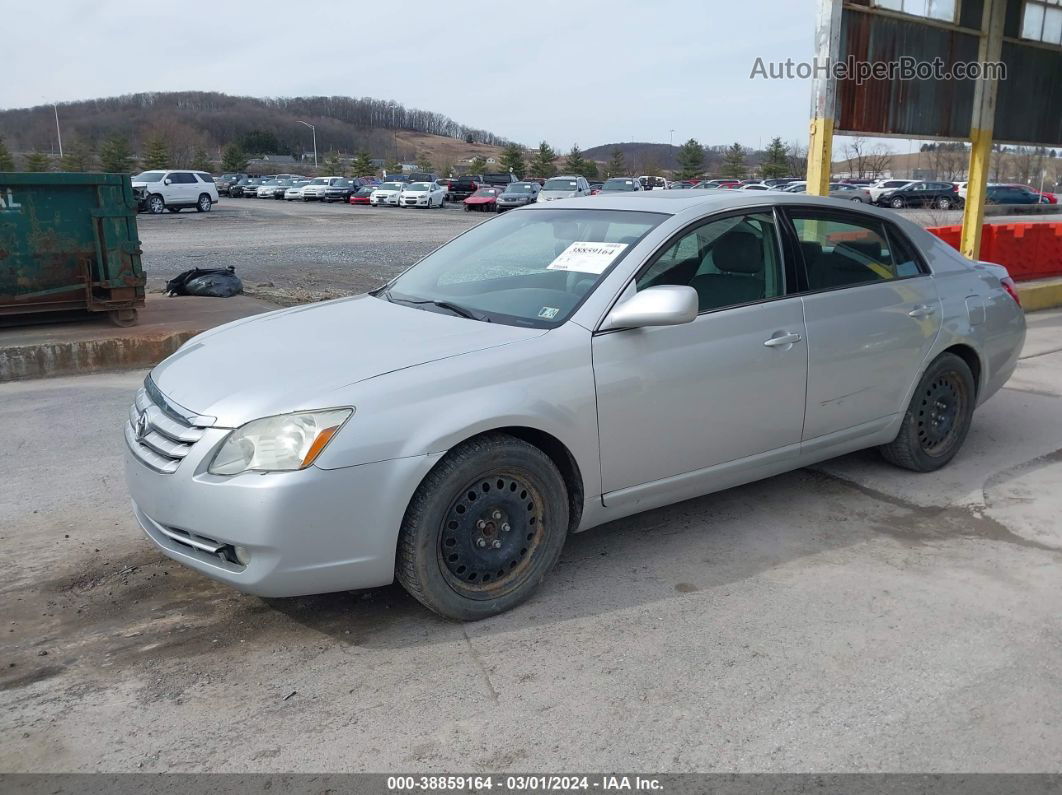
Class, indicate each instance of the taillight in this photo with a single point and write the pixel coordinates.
(1011, 288)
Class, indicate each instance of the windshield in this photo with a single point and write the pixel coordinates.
(619, 184)
(519, 187)
(486, 192)
(148, 176)
(418, 186)
(365, 191)
(560, 184)
(511, 269)
(318, 181)
(390, 186)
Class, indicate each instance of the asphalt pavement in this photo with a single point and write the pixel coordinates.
(850, 617)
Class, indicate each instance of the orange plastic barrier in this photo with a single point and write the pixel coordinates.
(1027, 250)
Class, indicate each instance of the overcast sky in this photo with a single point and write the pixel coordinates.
(580, 71)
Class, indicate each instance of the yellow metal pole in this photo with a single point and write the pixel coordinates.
(820, 157)
(973, 214)
(823, 98)
(989, 48)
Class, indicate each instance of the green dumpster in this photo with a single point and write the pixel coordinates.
(69, 242)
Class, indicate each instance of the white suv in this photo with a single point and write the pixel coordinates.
(317, 187)
(174, 190)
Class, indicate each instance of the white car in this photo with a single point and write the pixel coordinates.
(386, 194)
(157, 191)
(295, 191)
(755, 186)
(316, 188)
(267, 189)
(566, 187)
(422, 194)
(883, 185)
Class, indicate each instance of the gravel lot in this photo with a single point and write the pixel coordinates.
(292, 252)
(853, 617)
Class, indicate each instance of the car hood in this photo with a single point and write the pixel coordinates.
(549, 195)
(302, 358)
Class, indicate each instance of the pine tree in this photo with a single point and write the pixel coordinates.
(362, 165)
(157, 154)
(542, 162)
(201, 160)
(115, 156)
(333, 166)
(512, 159)
(616, 166)
(392, 166)
(38, 161)
(7, 162)
(424, 162)
(575, 163)
(78, 156)
(233, 159)
(734, 161)
(477, 165)
(690, 159)
(776, 162)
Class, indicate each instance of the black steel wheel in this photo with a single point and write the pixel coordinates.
(938, 417)
(484, 528)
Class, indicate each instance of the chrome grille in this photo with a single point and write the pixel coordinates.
(158, 437)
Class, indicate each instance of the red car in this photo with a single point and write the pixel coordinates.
(484, 200)
(362, 194)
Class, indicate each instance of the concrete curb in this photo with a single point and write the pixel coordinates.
(1040, 294)
(91, 345)
(49, 359)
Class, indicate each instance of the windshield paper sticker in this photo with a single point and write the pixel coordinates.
(548, 312)
(587, 257)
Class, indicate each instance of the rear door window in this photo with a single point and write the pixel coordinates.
(844, 250)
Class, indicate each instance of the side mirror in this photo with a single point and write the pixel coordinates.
(666, 305)
(167, 181)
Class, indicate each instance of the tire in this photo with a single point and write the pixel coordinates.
(156, 205)
(896, 204)
(455, 555)
(204, 204)
(857, 200)
(944, 203)
(938, 419)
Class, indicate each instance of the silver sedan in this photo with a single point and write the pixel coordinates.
(560, 366)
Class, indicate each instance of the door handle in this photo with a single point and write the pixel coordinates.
(922, 310)
(786, 339)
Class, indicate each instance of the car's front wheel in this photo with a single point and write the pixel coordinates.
(896, 203)
(156, 204)
(204, 204)
(944, 203)
(483, 529)
(938, 418)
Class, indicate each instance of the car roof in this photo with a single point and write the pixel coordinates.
(674, 202)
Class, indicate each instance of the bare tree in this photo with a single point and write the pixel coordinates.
(855, 151)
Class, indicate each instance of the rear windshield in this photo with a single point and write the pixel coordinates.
(619, 184)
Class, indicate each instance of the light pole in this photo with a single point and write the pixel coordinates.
(58, 134)
(314, 131)
(671, 139)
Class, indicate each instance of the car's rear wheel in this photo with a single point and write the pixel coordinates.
(483, 529)
(204, 204)
(938, 418)
(156, 204)
(944, 203)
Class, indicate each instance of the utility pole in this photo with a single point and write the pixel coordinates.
(671, 139)
(314, 131)
(58, 134)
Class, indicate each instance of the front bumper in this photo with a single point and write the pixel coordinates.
(306, 532)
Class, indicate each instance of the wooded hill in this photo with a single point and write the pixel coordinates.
(206, 121)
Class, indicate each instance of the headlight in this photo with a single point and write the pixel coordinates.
(276, 444)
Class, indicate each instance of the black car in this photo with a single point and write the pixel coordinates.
(463, 187)
(226, 181)
(517, 194)
(942, 195)
(499, 180)
(246, 187)
(1012, 194)
(340, 191)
